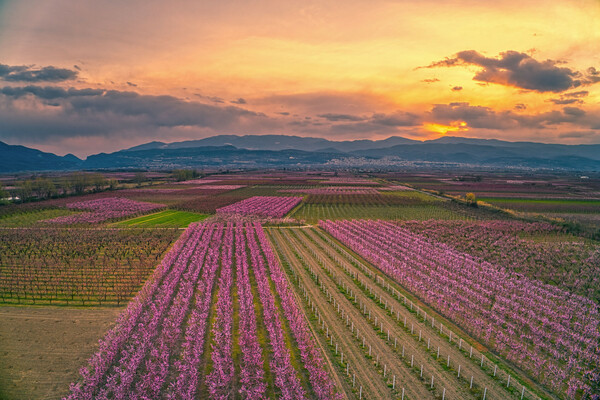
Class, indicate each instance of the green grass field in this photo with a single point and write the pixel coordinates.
(312, 213)
(571, 206)
(168, 218)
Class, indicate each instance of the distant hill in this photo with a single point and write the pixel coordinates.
(232, 151)
(21, 158)
(277, 142)
(207, 156)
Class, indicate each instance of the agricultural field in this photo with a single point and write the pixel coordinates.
(269, 285)
(206, 325)
(386, 344)
(31, 218)
(167, 218)
(313, 213)
(265, 206)
(61, 266)
(548, 332)
(546, 206)
(42, 348)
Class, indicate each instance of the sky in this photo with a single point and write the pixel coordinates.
(88, 76)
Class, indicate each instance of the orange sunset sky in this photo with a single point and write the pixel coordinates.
(86, 76)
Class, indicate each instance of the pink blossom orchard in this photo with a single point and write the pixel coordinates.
(265, 206)
(551, 333)
(157, 348)
(104, 209)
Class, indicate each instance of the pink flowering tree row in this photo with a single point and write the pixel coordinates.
(549, 332)
(158, 348)
(265, 206)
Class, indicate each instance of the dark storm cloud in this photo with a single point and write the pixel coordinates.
(26, 73)
(520, 70)
(340, 117)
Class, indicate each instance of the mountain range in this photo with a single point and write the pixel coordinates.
(255, 151)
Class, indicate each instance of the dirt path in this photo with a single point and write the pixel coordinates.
(42, 348)
(383, 360)
(340, 383)
(394, 312)
(372, 388)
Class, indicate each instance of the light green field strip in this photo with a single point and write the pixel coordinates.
(165, 218)
(314, 212)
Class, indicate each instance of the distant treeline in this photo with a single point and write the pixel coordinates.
(43, 187)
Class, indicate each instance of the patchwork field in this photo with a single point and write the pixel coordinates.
(276, 285)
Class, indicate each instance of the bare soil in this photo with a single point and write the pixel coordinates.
(43, 348)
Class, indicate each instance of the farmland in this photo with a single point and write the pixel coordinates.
(165, 218)
(77, 267)
(152, 353)
(510, 318)
(268, 285)
(312, 213)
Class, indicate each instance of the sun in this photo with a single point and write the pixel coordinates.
(455, 126)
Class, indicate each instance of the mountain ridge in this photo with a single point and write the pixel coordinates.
(256, 151)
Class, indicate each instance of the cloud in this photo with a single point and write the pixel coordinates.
(131, 84)
(457, 88)
(27, 73)
(520, 70)
(398, 118)
(565, 101)
(340, 117)
(486, 118)
(570, 98)
(582, 93)
(48, 92)
(431, 80)
(239, 101)
(45, 114)
(214, 99)
(520, 106)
